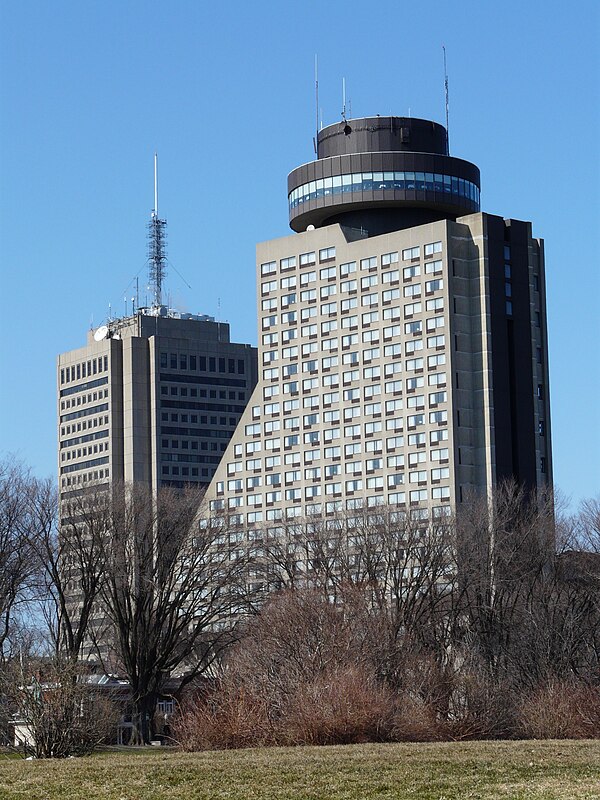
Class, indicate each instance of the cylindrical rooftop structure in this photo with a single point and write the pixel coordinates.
(382, 174)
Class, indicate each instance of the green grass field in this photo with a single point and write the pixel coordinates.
(440, 771)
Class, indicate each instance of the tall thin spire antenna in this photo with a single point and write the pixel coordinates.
(156, 184)
(447, 103)
(157, 246)
(317, 105)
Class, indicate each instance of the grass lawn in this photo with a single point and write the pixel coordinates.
(439, 771)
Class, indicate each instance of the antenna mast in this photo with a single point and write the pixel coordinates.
(317, 105)
(156, 183)
(157, 245)
(447, 103)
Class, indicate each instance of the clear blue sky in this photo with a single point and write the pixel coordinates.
(224, 92)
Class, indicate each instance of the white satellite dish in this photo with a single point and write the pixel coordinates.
(101, 333)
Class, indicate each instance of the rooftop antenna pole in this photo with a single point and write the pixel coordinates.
(156, 184)
(344, 99)
(157, 245)
(447, 103)
(317, 104)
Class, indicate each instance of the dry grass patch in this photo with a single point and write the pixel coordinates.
(547, 770)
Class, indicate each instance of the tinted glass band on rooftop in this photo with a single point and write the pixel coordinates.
(374, 181)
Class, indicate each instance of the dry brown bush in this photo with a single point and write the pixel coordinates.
(311, 671)
(341, 706)
(414, 720)
(561, 710)
(230, 717)
(450, 701)
(478, 707)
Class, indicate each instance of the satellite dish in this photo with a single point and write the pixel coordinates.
(101, 333)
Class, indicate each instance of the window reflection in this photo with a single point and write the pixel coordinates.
(376, 181)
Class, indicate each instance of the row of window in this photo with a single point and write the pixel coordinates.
(414, 459)
(83, 370)
(340, 529)
(192, 391)
(193, 363)
(305, 260)
(312, 329)
(331, 508)
(82, 399)
(206, 434)
(79, 452)
(196, 419)
(87, 477)
(369, 410)
(218, 507)
(368, 336)
(332, 471)
(413, 401)
(182, 391)
(328, 436)
(84, 387)
(292, 382)
(188, 458)
(86, 424)
(82, 465)
(411, 346)
(354, 395)
(328, 254)
(192, 472)
(353, 358)
(273, 409)
(348, 283)
(381, 181)
(353, 432)
(367, 298)
(89, 437)
(337, 488)
(191, 444)
(85, 412)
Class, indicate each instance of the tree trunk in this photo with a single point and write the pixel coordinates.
(143, 719)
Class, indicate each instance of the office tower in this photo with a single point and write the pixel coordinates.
(402, 339)
(153, 398)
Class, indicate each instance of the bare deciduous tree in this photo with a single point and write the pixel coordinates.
(68, 543)
(18, 567)
(174, 595)
(60, 713)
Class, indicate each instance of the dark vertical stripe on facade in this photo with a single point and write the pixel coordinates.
(511, 353)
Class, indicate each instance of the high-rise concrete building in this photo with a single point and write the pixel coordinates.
(152, 398)
(402, 339)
